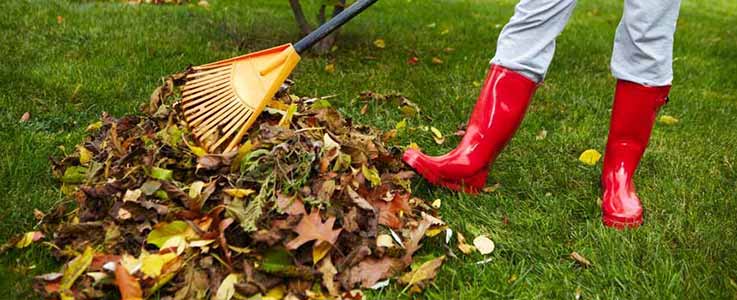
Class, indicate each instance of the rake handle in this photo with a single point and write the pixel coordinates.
(331, 25)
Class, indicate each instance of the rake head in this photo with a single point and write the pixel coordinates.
(221, 100)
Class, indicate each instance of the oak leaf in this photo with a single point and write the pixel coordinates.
(311, 227)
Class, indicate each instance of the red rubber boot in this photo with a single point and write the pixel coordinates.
(633, 116)
(496, 116)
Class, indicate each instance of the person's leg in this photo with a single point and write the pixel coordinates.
(527, 43)
(642, 63)
(525, 49)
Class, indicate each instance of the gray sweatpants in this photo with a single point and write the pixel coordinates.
(643, 44)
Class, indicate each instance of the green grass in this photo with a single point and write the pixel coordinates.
(109, 56)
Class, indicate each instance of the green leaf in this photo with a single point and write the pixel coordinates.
(74, 175)
(161, 174)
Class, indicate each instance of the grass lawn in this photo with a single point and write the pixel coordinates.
(109, 56)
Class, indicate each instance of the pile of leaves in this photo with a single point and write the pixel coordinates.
(311, 206)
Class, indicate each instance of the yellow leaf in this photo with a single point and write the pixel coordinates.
(74, 269)
(413, 146)
(275, 293)
(151, 264)
(197, 151)
(162, 233)
(436, 60)
(227, 287)
(84, 155)
(330, 68)
(668, 120)
(436, 204)
(371, 175)
(286, 120)
(426, 271)
(94, 126)
(590, 157)
(239, 193)
(379, 43)
(483, 244)
(465, 248)
(242, 152)
(28, 238)
(319, 251)
(401, 125)
(437, 135)
(435, 231)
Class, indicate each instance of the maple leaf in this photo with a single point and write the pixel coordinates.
(311, 227)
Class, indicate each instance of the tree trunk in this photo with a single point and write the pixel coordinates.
(323, 47)
(299, 16)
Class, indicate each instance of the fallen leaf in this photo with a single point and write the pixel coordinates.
(465, 248)
(330, 68)
(436, 60)
(668, 120)
(580, 259)
(328, 276)
(74, 269)
(152, 264)
(161, 174)
(426, 271)
(541, 135)
(165, 231)
(238, 193)
(437, 136)
(227, 287)
(413, 60)
(379, 43)
(372, 175)
(129, 287)
(436, 204)
(319, 251)
(384, 240)
(25, 117)
(483, 244)
(28, 239)
(590, 157)
(369, 271)
(132, 195)
(59, 20)
(491, 189)
(311, 227)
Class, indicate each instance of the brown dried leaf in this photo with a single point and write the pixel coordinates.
(580, 259)
(311, 228)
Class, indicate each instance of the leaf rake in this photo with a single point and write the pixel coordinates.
(222, 100)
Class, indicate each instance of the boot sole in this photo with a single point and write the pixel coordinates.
(621, 223)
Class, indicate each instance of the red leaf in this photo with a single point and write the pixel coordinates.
(388, 211)
(311, 227)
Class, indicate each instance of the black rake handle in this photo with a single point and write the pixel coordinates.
(321, 32)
